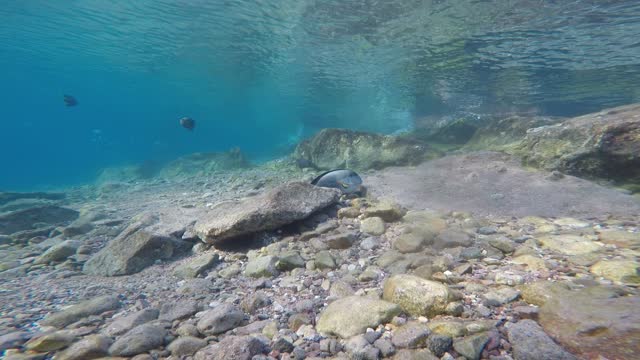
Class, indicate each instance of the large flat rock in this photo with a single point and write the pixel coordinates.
(280, 206)
(491, 183)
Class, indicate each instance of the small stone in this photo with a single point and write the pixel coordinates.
(487, 230)
(340, 289)
(186, 346)
(463, 269)
(282, 345)
(532, 262)
(91, 347)
(341, 240)
(500, 296)
(385, 210)
(503, 244)
(526, 312)
(452, 238)
(264, 266)
(373, 226)
(370, 243)
(83, 309)
(230, 271)
(509, 279)
(324, 260)
(385, 346)
(125, 323)
(415, 295)
(439, 344)
(409, 243)
(412, 335)
(50, 341)
(241, 347)
(290, 260)
(187, 330)
(471, 346)
(221, 319)
(59, 252)
(196, 266)
(140, 339)
(172, 311)
(255, 301)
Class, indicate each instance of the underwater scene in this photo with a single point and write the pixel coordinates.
(320, 179)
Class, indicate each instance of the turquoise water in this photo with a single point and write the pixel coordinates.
(262, 75)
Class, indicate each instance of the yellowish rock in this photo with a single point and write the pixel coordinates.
(569, 244)
(620, 238)
(620, 271)
(532, 262)
(416, 296)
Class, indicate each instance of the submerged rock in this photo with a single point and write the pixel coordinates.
(232, 348)
(605, 145)
(204, 163)
(91, 347)
(138, 340)
(27, 219)
(341, 148)
(339, 317)
(83, 309)
(530, 342)
(416, 296)
(280, 206)
(137, 247)
(593, 322)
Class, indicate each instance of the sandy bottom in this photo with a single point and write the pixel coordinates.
(490, 183)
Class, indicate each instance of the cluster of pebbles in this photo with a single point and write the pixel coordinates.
(365, 279)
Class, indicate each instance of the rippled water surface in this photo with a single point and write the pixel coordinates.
(263, 74)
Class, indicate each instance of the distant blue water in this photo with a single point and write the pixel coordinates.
(261, 75)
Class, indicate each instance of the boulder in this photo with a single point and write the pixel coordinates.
(137, 247)
(339, 318)
(502, 134)
(281, 206)
(341, 148)
(593, 322)
(604, 145)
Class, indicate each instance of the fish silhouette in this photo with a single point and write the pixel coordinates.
(187, 123)
(70, 100)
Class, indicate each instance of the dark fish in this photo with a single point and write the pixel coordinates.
(70, 100)
(187, 123)
(346, 180)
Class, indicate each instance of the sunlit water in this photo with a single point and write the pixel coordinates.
(262, 75)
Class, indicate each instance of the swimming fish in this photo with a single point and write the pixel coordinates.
(346, 180)
(70, 100)
(187, 123)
